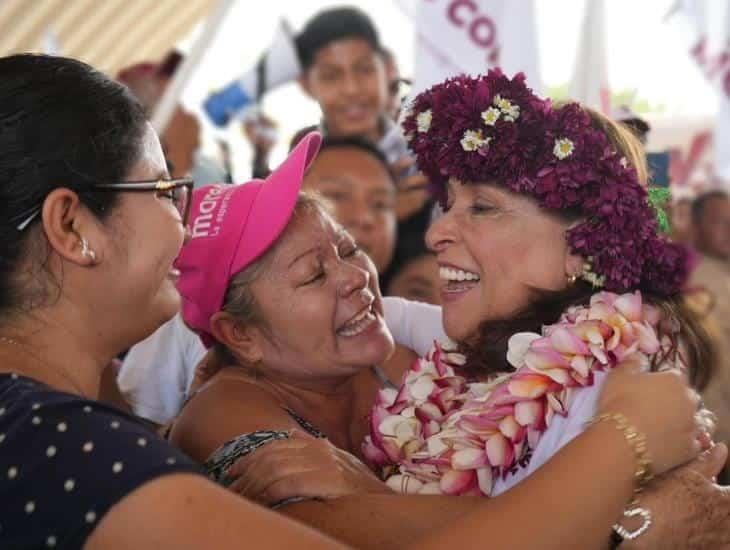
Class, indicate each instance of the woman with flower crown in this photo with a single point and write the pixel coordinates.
(556, 272)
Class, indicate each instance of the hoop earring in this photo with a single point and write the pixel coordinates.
(86, 252)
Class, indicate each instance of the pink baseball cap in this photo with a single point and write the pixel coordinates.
(232, 226)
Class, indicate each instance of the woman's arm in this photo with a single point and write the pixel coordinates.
(569, 503)
(572, 501)
(188, 512)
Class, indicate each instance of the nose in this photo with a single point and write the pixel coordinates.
(360, 218)
(350, 84)
(187, 235)
(353, 279)
(442, 233)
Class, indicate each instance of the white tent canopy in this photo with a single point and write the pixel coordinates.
(108, 34)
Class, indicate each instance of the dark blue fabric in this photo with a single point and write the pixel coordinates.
(65, 461)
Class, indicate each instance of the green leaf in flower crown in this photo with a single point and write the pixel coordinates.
(658, 197)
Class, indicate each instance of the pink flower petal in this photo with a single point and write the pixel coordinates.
(498, 450)
(455, 482)
(600, 310)
(648, 341)
(511, 429)
(527, 412)
(484, 480)
(582, 364)
(629, 305)
(544, 358)
(608, 298)
(593, 332)
(468, 459)
(518, 345)
(422, 388)
(564, 341)
(529, 385)
(556, 404)
(428, 411)
(386, 397)
(599, 354)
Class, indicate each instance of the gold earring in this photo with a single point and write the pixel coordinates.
(86, 252)
(572, 279)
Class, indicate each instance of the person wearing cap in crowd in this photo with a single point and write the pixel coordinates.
(353, 175)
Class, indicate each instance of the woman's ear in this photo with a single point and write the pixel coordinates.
(70, 228)
(244, 340)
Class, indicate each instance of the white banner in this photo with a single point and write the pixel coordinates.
(707, 28)
(589, 84)
(471, 36)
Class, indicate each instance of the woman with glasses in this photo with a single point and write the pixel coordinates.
(90, 225)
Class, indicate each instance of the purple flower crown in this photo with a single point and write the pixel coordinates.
(492, 128)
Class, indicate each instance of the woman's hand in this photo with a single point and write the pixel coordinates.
(661, 405)
(688, 510)
(301, 466)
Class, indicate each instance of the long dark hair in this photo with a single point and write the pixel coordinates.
(486, 353)
(62, 124)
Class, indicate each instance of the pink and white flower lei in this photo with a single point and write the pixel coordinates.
(442, 434)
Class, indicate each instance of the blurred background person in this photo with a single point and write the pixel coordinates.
(181, 141)
(710, 293)
(414, 271)
(354, 176)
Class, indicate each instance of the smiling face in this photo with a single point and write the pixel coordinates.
(137, 253)
(348, 81)
(494, 249)
(320, 303)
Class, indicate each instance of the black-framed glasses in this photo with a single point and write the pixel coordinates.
(180, 191)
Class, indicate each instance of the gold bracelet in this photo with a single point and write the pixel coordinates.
(637, 441)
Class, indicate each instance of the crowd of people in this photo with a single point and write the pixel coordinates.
(461, 324)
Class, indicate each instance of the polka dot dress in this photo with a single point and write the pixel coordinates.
(65, 461)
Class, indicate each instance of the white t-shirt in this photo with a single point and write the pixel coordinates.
(157, 372)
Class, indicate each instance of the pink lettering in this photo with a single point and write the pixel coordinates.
(483, 31)
(454, 8)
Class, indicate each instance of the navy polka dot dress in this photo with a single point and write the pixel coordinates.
(65, 461)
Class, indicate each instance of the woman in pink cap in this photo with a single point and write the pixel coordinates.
(293, 308)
